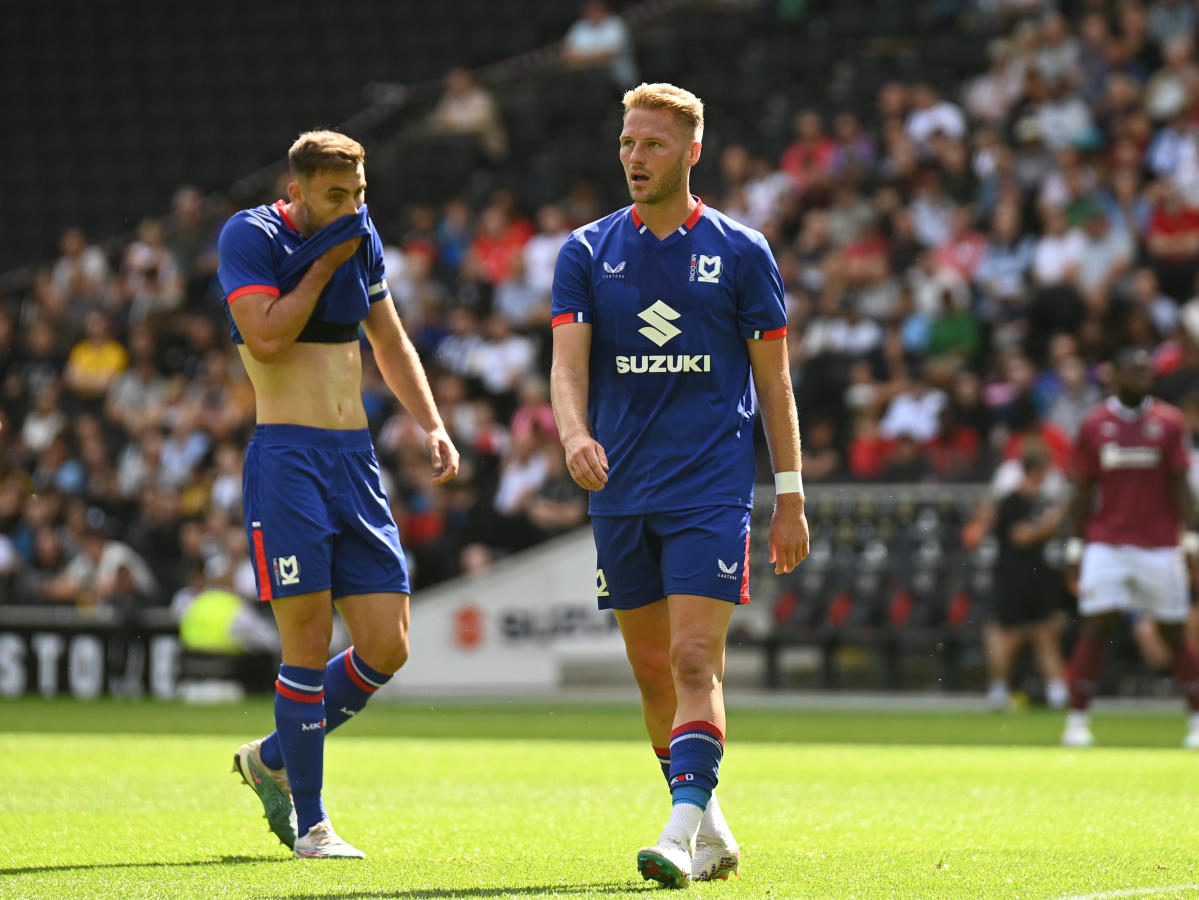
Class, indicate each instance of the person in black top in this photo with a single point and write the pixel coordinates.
(1027, 589)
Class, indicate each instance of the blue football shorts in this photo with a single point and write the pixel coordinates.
(316, 514)
(642, 558)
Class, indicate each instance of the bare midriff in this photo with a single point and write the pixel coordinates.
(318, 385)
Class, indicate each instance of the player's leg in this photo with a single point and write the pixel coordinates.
(305, 628)
(1086, 664)
(698, 629)
(646, 633)
(1001, 644)
(705, 561)
(378, 626)
(1164, 588)
(1047, 644)
(1103, 594)
(370, 582)
(288, 529)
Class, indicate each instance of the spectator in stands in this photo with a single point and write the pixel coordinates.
(1106, 254)
(811, 159)
(601, 38)
(95, 362)
(80, 274)
(916, 410)
(932, 115)
(541, 250)
(102, 571)
(192, 243)
(1076, 396)
(137, 397)
(153, 280)
(558, 504)
(467, 108)
(1028, 590)
(1172, 240)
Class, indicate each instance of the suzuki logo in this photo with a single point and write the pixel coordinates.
(660, 330)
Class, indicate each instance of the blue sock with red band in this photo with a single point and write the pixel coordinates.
(695, 752)
(663, 754)
(349, 683)
(300, 734)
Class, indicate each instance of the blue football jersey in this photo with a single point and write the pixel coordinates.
(669, 396)
(255, 246)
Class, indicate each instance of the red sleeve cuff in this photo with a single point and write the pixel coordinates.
(253, 289)
(566, 319)
(772, 334)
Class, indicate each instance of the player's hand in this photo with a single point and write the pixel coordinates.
(444, 455)
(788, 533)
(586, 462)
(1071, 575)
(339, 253)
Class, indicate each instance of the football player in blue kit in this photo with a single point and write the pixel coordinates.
(662, 313)
(299, 278)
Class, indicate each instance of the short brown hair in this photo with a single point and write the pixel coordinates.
(688, 109)
(318, 151)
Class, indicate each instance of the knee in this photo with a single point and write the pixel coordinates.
(1101, 627)
(693, 666)
(308, 648)
(386, 656)
(655, 681)
(1171, 633)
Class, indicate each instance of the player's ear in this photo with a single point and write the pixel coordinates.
(294, 192)
(696, 148)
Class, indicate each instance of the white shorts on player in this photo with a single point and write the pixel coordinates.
(1151, 580)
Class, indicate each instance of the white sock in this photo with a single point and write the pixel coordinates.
(1078, 718)
(1057, 693)
(713, 824)
(683, 825)
(1192, 724)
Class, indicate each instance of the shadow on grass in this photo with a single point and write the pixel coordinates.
(85, 867)
(599, 887)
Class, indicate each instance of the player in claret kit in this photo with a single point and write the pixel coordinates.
(299, 278)
(1131, 504)
(662, 312)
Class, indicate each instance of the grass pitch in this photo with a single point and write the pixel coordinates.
(136, 800)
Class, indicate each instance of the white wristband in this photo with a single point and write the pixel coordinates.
(1190, 543)
(788, 483)
(1073, 551)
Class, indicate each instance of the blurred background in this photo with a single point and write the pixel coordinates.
(972, 204)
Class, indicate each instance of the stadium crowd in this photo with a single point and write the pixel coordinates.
(959, 268)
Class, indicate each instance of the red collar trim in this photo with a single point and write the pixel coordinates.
(282, 209)
(689, 224)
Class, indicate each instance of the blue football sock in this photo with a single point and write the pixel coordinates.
(349, 683)
(300, 730)
(663, 754)
(695, 752)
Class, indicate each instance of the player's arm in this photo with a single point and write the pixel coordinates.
(772, 379)
(400, 366)
(570, 381)
(1080, 511)
(269, 322)
(1031, 532)
(1180, 490)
